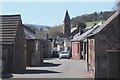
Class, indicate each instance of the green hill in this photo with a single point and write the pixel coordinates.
(92, 23)
(88, 18)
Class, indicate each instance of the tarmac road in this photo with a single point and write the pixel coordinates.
(55, 68)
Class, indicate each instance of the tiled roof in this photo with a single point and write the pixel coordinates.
(8, 28)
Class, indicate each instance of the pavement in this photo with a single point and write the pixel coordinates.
(56, 68)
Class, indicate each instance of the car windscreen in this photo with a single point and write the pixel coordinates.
(64, 53)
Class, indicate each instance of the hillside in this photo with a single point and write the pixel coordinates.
(89, 19)
(35, 27)
(92, 23)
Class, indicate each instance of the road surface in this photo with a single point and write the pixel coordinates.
(55, 68)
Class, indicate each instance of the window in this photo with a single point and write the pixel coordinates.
(36, 46)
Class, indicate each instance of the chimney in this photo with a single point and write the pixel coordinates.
(80, 31)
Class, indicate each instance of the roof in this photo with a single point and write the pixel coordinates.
(29, 34)
(82, 37)
(76, 32)
(43, 34)
(85, 40)
(8, 28)
(87, 28)
(59, 40)
(67, 17)
(73, 29)
(106, 23)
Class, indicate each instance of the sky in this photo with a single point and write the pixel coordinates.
(52, 13)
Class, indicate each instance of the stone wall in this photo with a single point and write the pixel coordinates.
(37, 56)
(107, 39)
(29, 51)
(113, 64)
(34, 50)
(41, 51)
(19, 55)
(7, 54)
(47, 49)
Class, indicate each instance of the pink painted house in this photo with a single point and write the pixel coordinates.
(75, 50)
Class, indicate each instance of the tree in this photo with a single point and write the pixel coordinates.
(101, 15)
(81, 25)
(56, 31)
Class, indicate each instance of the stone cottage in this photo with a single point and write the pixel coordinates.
(34, 48)
(12, 39)
(100, 42)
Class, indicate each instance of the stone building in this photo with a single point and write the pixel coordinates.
(12, 39)
(47, 43)
(34, 48)
(105, 38)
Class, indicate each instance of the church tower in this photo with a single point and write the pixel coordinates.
(67, 25)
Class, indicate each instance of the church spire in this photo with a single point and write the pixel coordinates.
(67, 17)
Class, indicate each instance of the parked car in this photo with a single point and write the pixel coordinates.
(64, 54)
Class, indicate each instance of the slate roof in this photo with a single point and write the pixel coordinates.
(29, 34)
(87, 28)
(8, 28)
(84, 35)
(84, 30)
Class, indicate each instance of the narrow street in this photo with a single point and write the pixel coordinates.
(55, 68)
